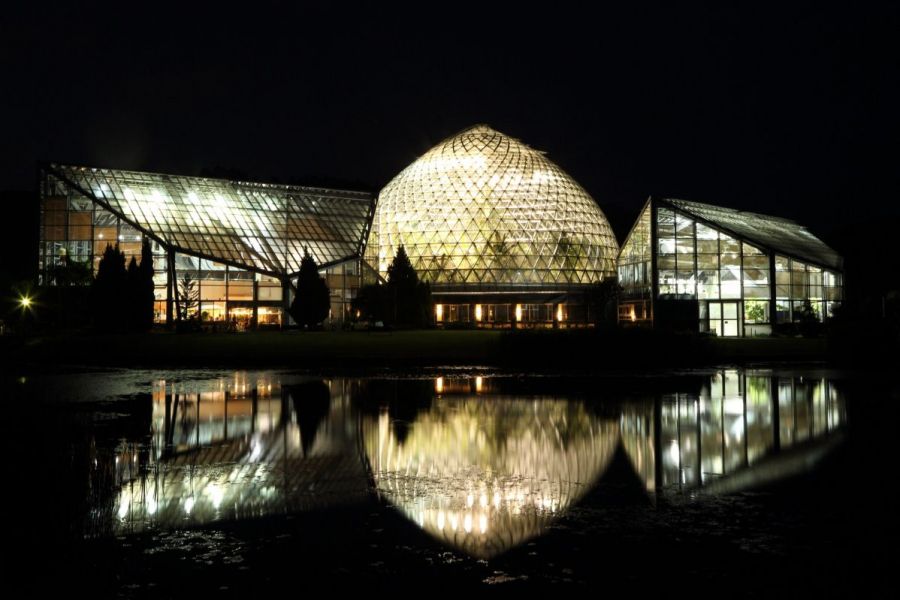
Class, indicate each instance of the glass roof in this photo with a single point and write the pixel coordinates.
(483, 211)
(775, 233)
(265, 227)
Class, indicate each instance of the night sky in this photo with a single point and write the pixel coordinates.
(792, 112)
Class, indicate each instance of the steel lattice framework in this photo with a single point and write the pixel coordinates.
(258, 226)
(483, 211)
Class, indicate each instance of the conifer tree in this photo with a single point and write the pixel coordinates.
(110, 291)
(312, 300)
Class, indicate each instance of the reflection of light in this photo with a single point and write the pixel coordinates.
(439, 385)
(189, 505)
(733, 406)
(518, 312)
(478, 384)
(633, 315)
(559, 313)
(482, 523)
(477, 312)
(467, 523)
(440, 520)
(673, 452)
(216, 494)
(123, 507)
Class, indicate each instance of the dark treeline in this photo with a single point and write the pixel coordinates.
(122, 297)
(403, 301)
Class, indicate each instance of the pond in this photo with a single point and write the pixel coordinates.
(171, 482)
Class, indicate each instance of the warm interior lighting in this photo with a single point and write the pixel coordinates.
(439, 383)
(478, 178)
(559, 313)
(518, 312)
(478, 384)
(478, 312)
(439, 312)
(633, 316)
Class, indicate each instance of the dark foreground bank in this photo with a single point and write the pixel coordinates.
(575, 349)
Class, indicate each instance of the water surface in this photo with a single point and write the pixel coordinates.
(476, 477)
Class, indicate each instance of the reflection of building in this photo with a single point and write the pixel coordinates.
(733, 433)
(240, 242)
(478, 469)
(692, 265)
(501, 232)
(486, 476)
(238, 449)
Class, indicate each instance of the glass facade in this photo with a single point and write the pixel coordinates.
(741, 285)
(239, 244)
(482, 211)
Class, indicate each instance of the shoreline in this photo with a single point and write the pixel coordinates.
(575, 351)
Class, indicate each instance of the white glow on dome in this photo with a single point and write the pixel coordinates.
(483, 209)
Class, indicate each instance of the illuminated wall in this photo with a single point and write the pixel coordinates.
(744, 271)
(483, 211)
(237, 241)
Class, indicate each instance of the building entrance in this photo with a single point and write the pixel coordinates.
(723, 318)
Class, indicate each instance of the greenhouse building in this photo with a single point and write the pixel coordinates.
(502, 234)
(504, 237)
(687, 265)
(234, 247)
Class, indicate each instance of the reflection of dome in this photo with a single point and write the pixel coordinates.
(483, 209)
(486, 476)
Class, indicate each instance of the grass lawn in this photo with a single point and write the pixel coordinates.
(269, 349)
(356, 350)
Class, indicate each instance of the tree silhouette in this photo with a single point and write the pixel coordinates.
(110, 292)
(312, 301)
(145, 294)
(188, 297)
(409, 299)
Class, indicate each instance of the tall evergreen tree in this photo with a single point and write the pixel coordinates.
(409, 298)
(110, 291)
(188, 297)
(312, 300)
(132, 285)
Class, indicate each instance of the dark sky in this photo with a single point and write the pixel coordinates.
(791, 112)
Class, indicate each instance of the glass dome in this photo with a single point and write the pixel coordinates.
(482, 210)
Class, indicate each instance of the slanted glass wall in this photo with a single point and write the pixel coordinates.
(635, 271)
(75, 232)
(731, 278)
(797, 282)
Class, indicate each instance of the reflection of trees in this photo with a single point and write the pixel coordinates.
(403, 400)
(312, 403)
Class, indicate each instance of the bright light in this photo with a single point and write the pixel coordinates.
(439, 385)
(439, 312)
(25, 302)
(559, 313)
(518, 312)
(478, 312)
(478, 383)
